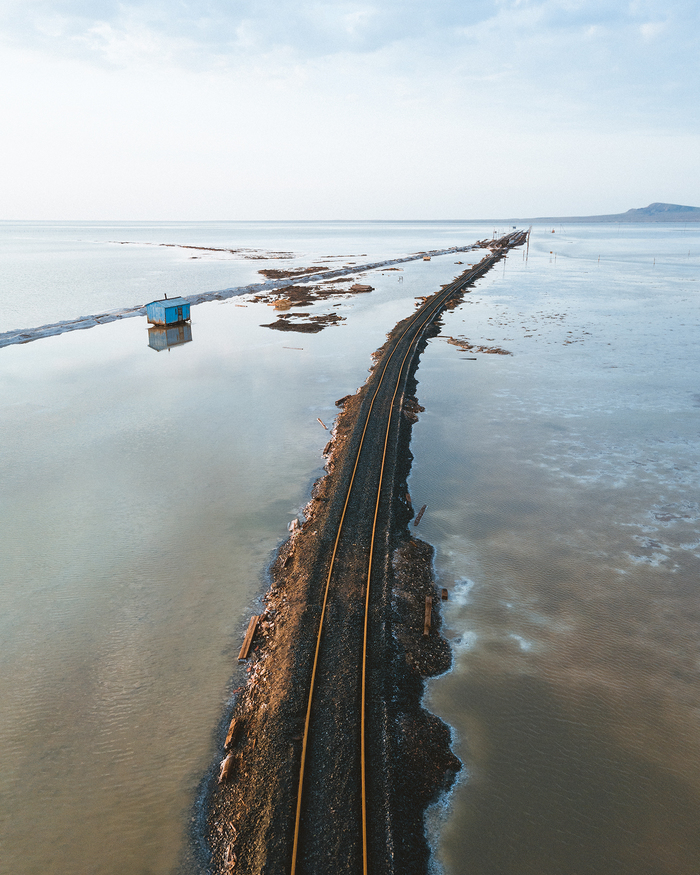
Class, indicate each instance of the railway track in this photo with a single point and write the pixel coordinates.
(364, 527)
(323, 767)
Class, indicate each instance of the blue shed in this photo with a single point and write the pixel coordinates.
(168, 311)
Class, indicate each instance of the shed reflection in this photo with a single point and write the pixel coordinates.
(165, 336)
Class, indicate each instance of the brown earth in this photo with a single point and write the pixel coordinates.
(304, 323)
(464, 344)
(305, 296)
(279, 274)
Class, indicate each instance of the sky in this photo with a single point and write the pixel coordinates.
(376, 109)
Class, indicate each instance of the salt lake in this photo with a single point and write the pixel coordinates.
(144, 494)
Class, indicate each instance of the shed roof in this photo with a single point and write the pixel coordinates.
(172, 302)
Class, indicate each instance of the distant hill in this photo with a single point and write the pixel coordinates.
(653, 213)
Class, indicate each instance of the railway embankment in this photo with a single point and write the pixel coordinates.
(329, 760)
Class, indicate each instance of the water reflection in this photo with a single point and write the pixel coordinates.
(563, 483)
(162, 337)
(553, 790)
(125, 590)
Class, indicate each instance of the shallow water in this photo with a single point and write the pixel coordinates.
(562, 491)
(144, 494)
(53, 271)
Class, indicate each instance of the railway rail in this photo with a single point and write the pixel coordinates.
(331, 748)
(362, 528)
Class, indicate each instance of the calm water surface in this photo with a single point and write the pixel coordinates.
(562, 485)
(52, 271)
(144, 494)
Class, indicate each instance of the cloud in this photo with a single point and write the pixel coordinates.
(638, 57)
(322, 102)
(225, 28)
(318, 27)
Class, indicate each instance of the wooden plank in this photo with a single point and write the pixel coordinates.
(428, 614)
(445, 594)
(234, 730)
(248, 640)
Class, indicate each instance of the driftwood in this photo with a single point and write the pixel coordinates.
(225, 768)
(428, 615)
(248, 640)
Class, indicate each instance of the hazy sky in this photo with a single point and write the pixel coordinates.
(254, 109)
